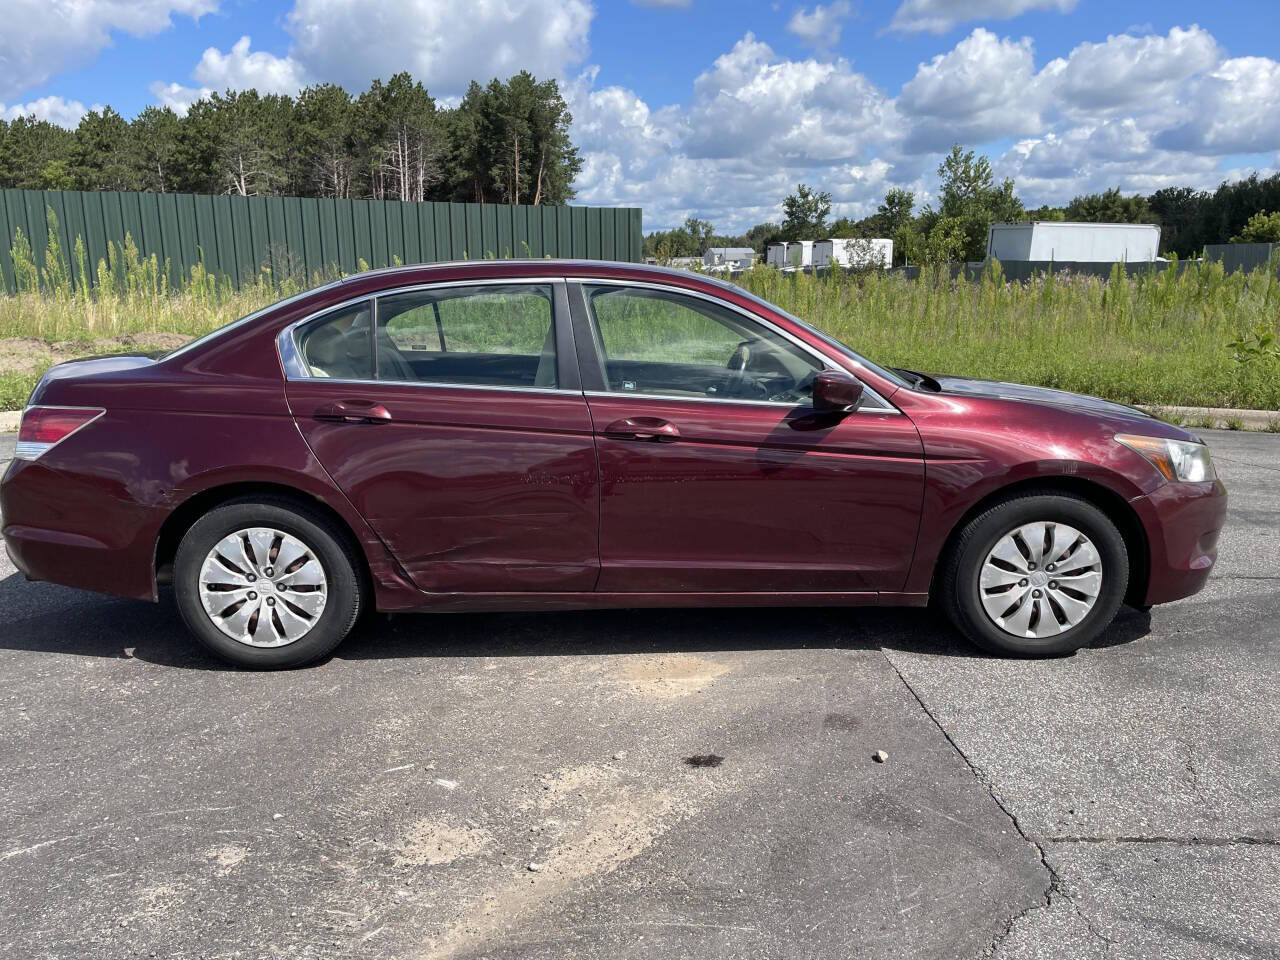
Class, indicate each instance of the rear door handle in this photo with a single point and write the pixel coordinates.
(653, 429)
(353, 411)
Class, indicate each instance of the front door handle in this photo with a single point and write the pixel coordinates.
(353, 411)
(654, 429)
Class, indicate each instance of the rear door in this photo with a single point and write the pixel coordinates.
(453, 419)
(716, 473)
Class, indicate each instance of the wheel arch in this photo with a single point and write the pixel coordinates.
(198, 504)
(1117, 509)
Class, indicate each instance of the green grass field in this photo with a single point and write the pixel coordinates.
(1159, 338)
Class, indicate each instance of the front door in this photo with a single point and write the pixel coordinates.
(717, 475)
(452, 418)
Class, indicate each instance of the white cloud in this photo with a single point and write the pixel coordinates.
(1092, 158)
(1233, 109)
(756, 125)
(981, 90)
(41, 39)
(820, 27)
(753, 102)
(445, 45)
(57, 110)
(1125, 70)
(939, 16)
(240, 69)
(177, 97)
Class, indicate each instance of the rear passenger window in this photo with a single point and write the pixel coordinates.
(339, 345)
(491, 335)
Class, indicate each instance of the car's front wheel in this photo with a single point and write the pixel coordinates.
(1036, 574)
(267, 583)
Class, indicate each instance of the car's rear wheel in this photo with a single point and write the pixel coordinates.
(267, 583)
(1036, 574)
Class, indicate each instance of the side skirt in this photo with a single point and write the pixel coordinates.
(529, 601)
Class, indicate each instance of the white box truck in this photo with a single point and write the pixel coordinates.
(1063, 242)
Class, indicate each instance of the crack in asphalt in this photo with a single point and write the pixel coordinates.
(1054, 892)
(1052, 888)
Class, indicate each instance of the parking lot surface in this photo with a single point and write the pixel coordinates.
(652, 784)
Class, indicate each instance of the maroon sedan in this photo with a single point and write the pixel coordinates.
(543, 435)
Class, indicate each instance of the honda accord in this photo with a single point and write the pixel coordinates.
(549, 435)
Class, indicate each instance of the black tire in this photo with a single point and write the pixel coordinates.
(960, 570)
(327, 541)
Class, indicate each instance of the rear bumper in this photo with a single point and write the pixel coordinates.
(1182, 521)
(42, 510)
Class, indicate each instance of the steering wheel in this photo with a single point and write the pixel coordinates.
(739, 360)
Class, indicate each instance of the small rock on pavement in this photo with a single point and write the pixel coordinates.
(535, 867)
(277, 816)
(620, 755)
(879, 756)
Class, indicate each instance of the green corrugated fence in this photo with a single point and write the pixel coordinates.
(238, 236)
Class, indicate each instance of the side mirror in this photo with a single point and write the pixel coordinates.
(835, 391)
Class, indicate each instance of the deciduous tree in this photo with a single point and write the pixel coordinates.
(804, 213)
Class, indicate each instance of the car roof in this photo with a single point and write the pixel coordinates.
(542, 265)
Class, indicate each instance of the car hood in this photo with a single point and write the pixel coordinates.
(1045, 395)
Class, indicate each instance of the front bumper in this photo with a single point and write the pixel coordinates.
(1182, 521)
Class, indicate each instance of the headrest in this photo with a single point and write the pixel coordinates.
(324, 347)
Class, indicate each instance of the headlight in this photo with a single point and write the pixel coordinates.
(1177, 459)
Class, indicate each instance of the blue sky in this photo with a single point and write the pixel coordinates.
(717, 109)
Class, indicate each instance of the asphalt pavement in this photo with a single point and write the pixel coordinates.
(652, 784)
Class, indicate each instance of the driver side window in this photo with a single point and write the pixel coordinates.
(662, 342)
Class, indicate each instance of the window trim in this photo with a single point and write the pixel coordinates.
(869, 393)
(295, 369)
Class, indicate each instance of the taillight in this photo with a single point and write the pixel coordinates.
(43, 427)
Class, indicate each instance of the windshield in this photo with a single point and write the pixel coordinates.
(882, 372)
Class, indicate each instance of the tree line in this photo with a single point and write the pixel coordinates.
(506, 142)
(970, 200)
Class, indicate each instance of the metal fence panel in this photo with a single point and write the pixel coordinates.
(236, 237)
(1241, 256)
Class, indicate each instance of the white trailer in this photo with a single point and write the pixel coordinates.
(857, 254)
(789, 256)
(800, 254)
(1060, 242)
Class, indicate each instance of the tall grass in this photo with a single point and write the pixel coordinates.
(1158, 338)
(1161, 337)
(64, 298)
